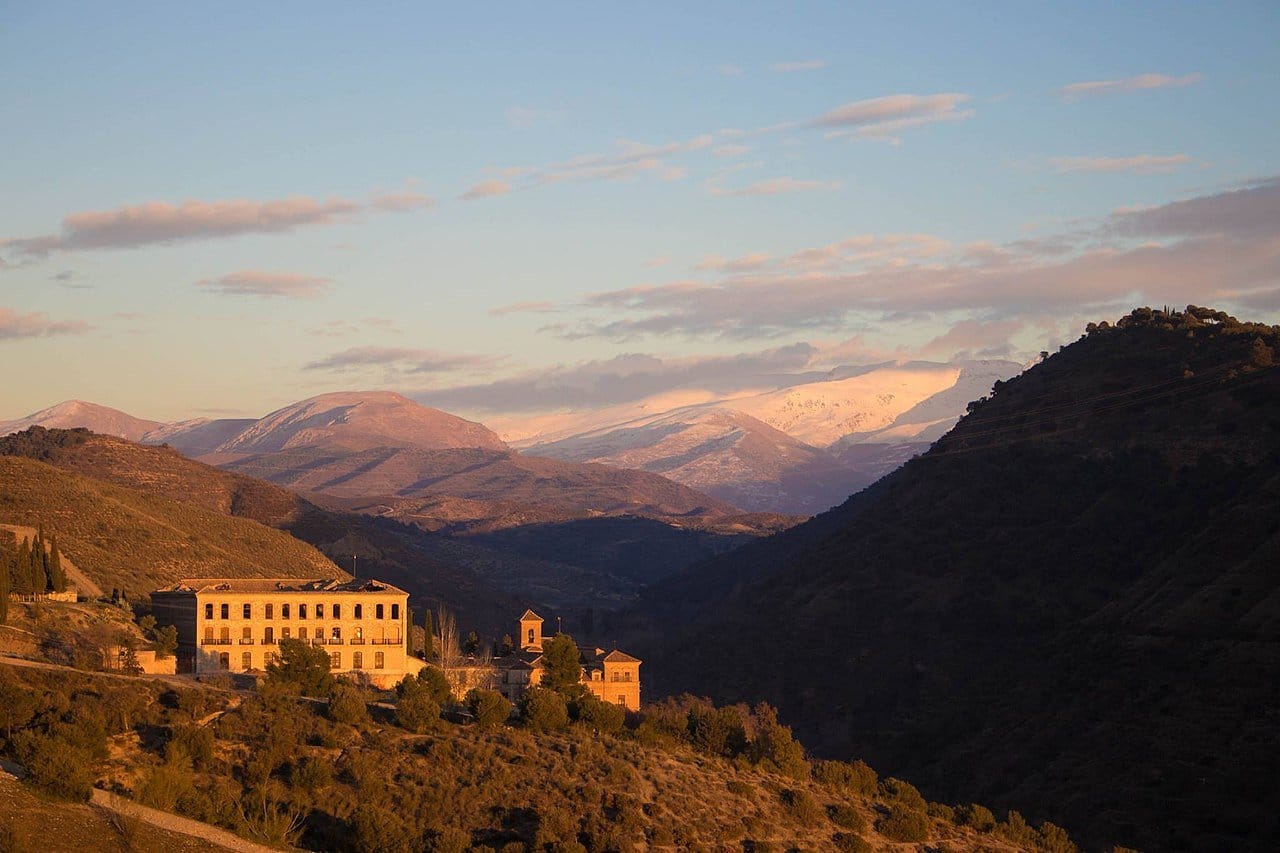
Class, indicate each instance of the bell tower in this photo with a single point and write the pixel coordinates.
(530, 632)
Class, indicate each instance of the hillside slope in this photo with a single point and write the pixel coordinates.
(138, 541)
(78, 413)
(1069, 605)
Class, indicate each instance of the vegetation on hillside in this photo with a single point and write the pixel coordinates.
(1068, 606)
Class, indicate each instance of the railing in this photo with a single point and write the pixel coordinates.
(268, 641)
(215, 642)
(356, 641)
(246, 641)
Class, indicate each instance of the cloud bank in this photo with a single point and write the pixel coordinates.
(400, 359)
(1141, 164)
(36, 325)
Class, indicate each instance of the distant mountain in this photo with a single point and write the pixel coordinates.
(196, 437)
(1069, 605)
(356, 421)
(800, 449)
(91, 416)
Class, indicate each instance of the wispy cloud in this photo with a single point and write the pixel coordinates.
(271, 284)
(1141, 82)
(882, 118)
(401, 201)
(486, 189)
(753, 261)
(730, 150)
(775, 186)
(1140, 164)
(37, 325)
(402, 359)
(523, 308)
(794, 67)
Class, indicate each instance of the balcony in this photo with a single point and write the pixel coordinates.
(356, 641)
(318, 641)
(215, 642)
(269, 641)
(246, 641)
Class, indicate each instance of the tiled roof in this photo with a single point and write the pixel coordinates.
(529, 614)
(616, 656)
(266, 585)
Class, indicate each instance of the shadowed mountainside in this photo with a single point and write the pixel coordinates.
(1070, 605)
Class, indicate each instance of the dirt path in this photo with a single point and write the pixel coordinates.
(176, 680)
(174, 823)
(78, 579)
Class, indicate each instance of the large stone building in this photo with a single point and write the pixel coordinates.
(236, 624)
(613, 676)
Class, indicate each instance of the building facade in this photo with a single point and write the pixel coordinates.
(612, 676)
(236, 624)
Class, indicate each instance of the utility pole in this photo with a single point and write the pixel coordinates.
(353, 566)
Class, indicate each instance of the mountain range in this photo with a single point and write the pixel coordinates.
(1068, 605)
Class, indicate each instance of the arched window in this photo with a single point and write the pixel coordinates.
(224, 634)
(531, 636)
(226, 611)
(271, 611)
(270, 635)
(302, 611)
(284, 611)
(335, 633)
(246, 633)
(224, 660)
(284, 633)
(337, 611)
(208, 633)
(319, 611)
(335, 660)
(208, 610)
(379, 660)
(302, 633)
(359, 611)
(246, 660)
(377, 611)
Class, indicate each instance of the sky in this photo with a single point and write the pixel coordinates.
(215, 210)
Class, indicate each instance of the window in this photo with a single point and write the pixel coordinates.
(336, 633)
(225, 635)
(359, 611)
(359, 632)
(377, 611)
(379, 660)
(284, 633)
(335, 660)
(302, 611)
(622, 700)
(271, 611)
(319, 611)
(270, 636)
(357, 660)
(246, 660)
(208, 634)
(626, 676)
(224, 660)
(246, 612)
(246, 633)
(208, 610)
(302, 633)
(269, 658)
(395, 611)
(284, 611)
(337, 611)
(531, 636)
(226, 611)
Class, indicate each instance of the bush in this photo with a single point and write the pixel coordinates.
(1054, 839)
(431, 678)
(847, 817)
(544, 710)
(347, 705)
(416, 710)
(904, 824)
(490, 708)
(904, 793)
(942, 811)
(311, 774)
(741, 789)
(55, 766)
(802, 807)
(600, 716)
(976, 816)
(855, 776)
(848, 842)
(301, 667)
(774, 746)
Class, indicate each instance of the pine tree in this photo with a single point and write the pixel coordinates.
(428, 637)
(39, 580)
(22, 569)
(57, 575)
(4, 593)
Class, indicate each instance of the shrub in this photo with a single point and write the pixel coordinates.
(600, 716)
(490, 708)
(416, 710)
(847, 817)
(774, 747)
(1054, 839)
(302, 667)
(742, 789)
(195, 742)
(854, 776)
(55, 766)
(976, 816)
(311, 774)
(431, 678)
(942, 811)
(544, 710)
(168, 783)
(904, 824)
(850, 843)
(1016, 829)
(347, 705)
(802, 807)
(904, 793)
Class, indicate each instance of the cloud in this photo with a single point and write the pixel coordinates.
(158, 223)
(625, 378)
(37, 325)
(342, 328)
(657, 261)
(775, 186)
(406, 359)
(746, 262)
(486, 189)
(1142, 82)
(400, 202)
(523, 308)
(793, 67)
(974, 339)
(258, 283)
(730, 150)
(1141, 164)
(1221, 247)
(881, 118)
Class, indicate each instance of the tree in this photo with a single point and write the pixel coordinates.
(544, 710)
(416, 709)
(507, 646)
(473, 644)
(561, 669)
(592, 713)
(346, 705)
(428, 636)
(4, 593)
(129, 663)
(22, 569)
(165, 640)
(490, 708)
(447, 634)
(57, 574)
(303, 667)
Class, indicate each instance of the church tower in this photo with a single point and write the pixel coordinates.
(530, 632)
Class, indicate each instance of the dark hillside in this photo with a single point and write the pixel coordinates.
(1070, 605)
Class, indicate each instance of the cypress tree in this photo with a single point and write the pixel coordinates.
(22, 569)
(428, 637)
(4, 593)
(57, 575)
(39, 580)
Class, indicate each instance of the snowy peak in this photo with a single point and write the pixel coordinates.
(78, 413)
(360, 420)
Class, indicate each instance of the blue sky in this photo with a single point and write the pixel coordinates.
(227, 208)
